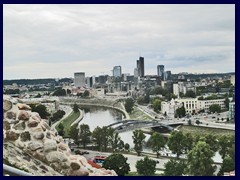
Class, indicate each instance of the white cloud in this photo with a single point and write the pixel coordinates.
(59, 40)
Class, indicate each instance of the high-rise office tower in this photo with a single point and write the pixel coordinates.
(140, 66)
(79, 79)
(117, 71)
(167, 75)
(160, 71)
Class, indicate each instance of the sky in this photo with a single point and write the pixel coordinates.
(54, 41)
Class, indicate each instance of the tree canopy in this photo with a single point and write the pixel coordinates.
(200, 161)
(118, 163)
(146, 166)
(138, 139)
(157, 142)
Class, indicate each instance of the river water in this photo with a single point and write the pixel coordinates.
(102, 117)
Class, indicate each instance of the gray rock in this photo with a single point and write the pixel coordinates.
(11, 135)
(11, 115)
(45, 126)
(23, 106)
(25, 136)
(6, 125)
(34, 145)
(23, 115)
(32, 123)
(48, 135)
(56, 156)
(43, 167)
(20, 126)
(38, 135)
(74, 165)
(50, 145)
(7, 105)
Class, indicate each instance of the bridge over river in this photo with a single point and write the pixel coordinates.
(128, 125)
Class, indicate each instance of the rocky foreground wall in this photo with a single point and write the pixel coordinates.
(30, 144)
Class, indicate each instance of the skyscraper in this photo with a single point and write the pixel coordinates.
(79, 79)
(140, 66)
(117, 71)
(160, 71)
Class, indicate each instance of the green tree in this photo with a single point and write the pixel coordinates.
(174, 168)
(227, 165)
(157, 105)
(129, 105)
(138, 139)
(200, 161)
(97, 137)
(225, 144)
(59, 92)
(118, 163)
(181, 112)
(68, 91)
(157, 142)
(197, 122)
(41, 110)
(114, 139)
(226, 102)
(73, 133)
(177, 142)
(84, 135)
(215, 108)
(190, 93)
(75, 108)
(140, 100)
(102, 137)
(212, 140)
(146, 166)
(61, 129)
(121, 144)
(189, 142)
(127, 147)
(86, 93)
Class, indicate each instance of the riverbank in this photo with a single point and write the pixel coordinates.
(138, 114)
(68, 121)
(199, 130)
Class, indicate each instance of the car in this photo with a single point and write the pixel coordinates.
(85, 152)
(78, 152)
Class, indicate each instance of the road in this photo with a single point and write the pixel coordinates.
(132, 159)
(207, 120)
(67, 110)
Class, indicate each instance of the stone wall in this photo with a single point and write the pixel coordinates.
(28, 134)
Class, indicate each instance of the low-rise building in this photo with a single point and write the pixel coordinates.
(231, 114)
(170, 107)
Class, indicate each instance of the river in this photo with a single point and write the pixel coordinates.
(102, 117)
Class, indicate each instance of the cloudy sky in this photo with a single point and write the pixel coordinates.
(54, 41)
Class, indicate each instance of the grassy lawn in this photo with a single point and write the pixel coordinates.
(69, 120)
(138, 114)
(205, 130)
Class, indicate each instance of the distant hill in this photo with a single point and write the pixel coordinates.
(35, 81)
(198, 76)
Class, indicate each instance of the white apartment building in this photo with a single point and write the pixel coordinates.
(192, 105)
(204, 104)
(232, 79)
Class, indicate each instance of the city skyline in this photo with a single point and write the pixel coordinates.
(44, 41)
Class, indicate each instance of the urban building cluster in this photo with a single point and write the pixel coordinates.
(125, 84)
